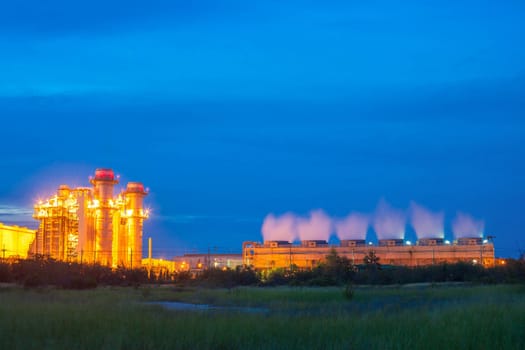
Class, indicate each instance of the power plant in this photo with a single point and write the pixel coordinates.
(91, 224)
(312, 232)
(307, 254)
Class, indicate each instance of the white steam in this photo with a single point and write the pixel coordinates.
(354, 226)
(465, 225)
(388, 222)
(288, 227)
(426, 223)
(279, 228)
(317, 226)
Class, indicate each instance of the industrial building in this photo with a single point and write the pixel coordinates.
(158, 267)
(91, 224)
(284, 254)
(191, 262)
(15, 241)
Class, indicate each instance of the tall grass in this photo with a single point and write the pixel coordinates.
(488, 317)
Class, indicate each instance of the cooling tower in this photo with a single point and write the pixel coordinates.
(277, 244)
(430, 241)
(390, 242)
(314, 243)
(353, 243)
(469, 241)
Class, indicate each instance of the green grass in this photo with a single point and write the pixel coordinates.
(445, 317)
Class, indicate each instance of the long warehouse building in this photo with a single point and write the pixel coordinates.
(283, 254)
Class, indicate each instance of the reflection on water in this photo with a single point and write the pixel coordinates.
(179, 306)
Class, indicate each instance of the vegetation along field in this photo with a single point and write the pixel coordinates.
(421, 316)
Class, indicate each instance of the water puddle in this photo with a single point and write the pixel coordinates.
(180, 306)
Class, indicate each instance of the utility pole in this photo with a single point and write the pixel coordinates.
(149, 257)
(481, 254)
(290, 257)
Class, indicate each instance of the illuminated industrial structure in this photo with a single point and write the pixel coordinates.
(15, 241)
(90, 224)
(195, 261)
(283, 254)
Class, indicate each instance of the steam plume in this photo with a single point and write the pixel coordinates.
(465, 225)
(317, 226)
(426, 223)
(388, 222)
(354, 226)
(279, 228)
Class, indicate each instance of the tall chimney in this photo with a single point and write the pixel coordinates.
(103, 184)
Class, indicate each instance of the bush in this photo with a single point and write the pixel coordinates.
(335, 270)
(348, 292)
(5, 273)
(34, 281)
(80, 282)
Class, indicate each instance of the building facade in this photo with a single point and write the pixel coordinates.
(193, 262)
(15, 241)
(308, 254)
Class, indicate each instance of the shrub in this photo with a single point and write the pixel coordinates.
(80, 282)
(348, 292)
(33, 281)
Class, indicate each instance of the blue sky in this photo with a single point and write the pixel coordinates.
(231, 110)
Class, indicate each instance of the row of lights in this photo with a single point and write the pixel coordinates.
(447, 242)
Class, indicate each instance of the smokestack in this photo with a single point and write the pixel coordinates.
(135, 214)
(103, 183)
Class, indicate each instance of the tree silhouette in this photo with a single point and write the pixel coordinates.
(371, 260)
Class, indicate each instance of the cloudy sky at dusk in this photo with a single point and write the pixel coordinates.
(231, 110)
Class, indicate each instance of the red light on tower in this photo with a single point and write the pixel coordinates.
(104, 175)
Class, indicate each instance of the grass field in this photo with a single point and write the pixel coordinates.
(420, 317)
